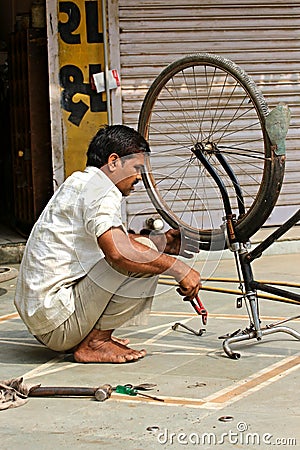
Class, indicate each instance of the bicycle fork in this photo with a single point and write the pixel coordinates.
(249, 295)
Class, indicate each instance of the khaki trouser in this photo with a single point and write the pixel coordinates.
(104, 299)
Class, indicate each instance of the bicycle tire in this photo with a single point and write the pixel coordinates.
(209, 98)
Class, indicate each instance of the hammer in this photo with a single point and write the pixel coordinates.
(100, 393)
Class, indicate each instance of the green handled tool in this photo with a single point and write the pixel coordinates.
(128, 389)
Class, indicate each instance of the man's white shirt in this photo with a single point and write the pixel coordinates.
(63, 247)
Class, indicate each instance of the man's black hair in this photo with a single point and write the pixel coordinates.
(118, 139)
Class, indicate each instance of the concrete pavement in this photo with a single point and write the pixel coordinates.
(256, 396)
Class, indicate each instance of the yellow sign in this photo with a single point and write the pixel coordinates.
(81, 54)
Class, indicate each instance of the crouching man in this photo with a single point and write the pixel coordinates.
(82, 275)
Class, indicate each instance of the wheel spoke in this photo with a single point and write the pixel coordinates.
(208, 102)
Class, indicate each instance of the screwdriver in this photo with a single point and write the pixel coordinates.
(128, 389)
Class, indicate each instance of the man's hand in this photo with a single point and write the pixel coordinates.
(173, 242)
(190, 285)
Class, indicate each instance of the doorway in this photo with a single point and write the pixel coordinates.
(25, 154)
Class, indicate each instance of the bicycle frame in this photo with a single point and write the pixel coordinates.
(244, 258)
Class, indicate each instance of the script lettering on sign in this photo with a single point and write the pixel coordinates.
(71, 76)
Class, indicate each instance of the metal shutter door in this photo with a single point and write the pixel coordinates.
(262, 38)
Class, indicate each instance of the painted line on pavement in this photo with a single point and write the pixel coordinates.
(9, 317)
(255, 382)
(231, 394)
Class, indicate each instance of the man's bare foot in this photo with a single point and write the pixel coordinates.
(100, 347)
(123, 341)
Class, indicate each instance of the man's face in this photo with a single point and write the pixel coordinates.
(129, 172)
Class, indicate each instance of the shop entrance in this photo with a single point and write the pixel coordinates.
(25, 155)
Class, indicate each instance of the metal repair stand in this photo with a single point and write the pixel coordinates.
(244, 259)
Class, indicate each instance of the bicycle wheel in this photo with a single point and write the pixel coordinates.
(207, 102)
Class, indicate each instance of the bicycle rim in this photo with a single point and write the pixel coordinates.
(208, 101)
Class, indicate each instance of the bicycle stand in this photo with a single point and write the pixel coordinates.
(244, 258)
(253, 334)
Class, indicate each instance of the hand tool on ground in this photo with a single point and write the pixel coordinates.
(200, 309)
(178, 324)
(128, 389)
(101, 393)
